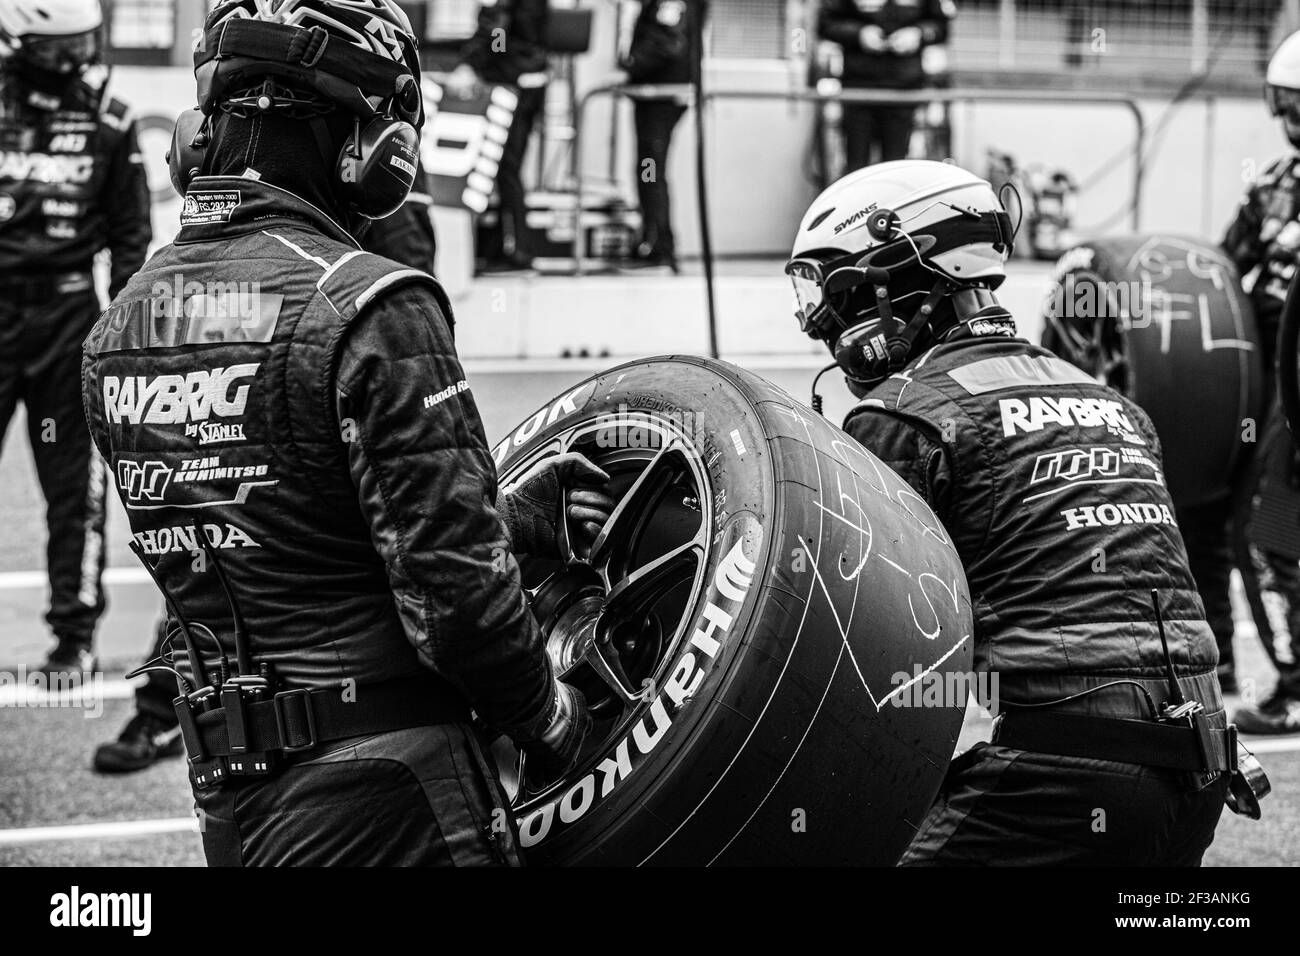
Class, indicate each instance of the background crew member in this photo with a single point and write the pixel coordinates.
(374, 575)
(72, 183)
(660, 52)
(971, 416)
(882, 42)
(509, 48)
(1264, 242)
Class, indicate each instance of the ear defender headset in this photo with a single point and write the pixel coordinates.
(870, 351)
(378, 164)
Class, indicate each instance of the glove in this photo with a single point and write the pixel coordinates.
(460, 81)
(555, 752)
(872, 39)
(906, 40)
(532, 512)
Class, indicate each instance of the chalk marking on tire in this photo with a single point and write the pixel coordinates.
(844, 646)
(785, 666)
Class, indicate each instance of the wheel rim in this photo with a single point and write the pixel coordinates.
(613, 621)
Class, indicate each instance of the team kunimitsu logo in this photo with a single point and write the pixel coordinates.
(1076, 464)
(143, 481)
(178, 399)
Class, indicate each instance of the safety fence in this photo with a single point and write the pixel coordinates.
(685, 94)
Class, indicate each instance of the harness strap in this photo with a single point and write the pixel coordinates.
(304, 718)
(1144, 742)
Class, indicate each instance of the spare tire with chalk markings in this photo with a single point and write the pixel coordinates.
(774, 632)
(1163, 320)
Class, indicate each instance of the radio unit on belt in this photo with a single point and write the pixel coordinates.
(220, 736)
(1178, 736)
(244, 723)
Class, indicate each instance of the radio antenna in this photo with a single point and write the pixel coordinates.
(196, 659)
(243, 659)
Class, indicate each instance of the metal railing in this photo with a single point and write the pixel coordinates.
(684, 93)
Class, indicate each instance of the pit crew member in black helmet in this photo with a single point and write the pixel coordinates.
(305, 471)
(152, 733)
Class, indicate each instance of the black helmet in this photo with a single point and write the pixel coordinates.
(306, 58)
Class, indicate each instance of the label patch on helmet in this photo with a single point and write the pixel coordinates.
(205, 207)
(402, 164)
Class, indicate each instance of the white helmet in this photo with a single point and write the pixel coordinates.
(57, 35)
(908, 234)
(1284, 67)
(1282, 86)
(49, 18)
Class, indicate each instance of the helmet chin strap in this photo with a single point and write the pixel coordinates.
(900, 344)
(969, 301)
(1291, 129)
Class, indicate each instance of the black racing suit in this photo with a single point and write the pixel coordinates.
(72, 183)
(509, 48)
(1052, 490)
(660, 52)
(406, 237)
(874, 134)
(301, 403)
(1264, 242)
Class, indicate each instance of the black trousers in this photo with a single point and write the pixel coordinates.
(1003, 807)
(655, 121)
(876, 134)
(1207, 535)
(419, 797)
(40, 366)
(1275, 571)
(510, 178)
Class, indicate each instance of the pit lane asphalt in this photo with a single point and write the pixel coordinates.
(45, 779)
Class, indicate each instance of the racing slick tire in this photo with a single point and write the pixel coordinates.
(773, 631)
(1163, 320)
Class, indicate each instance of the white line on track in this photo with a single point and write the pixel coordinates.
(108, 830)
(132, 829)
(1272, 745)
(15, 580)
(21, 695)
